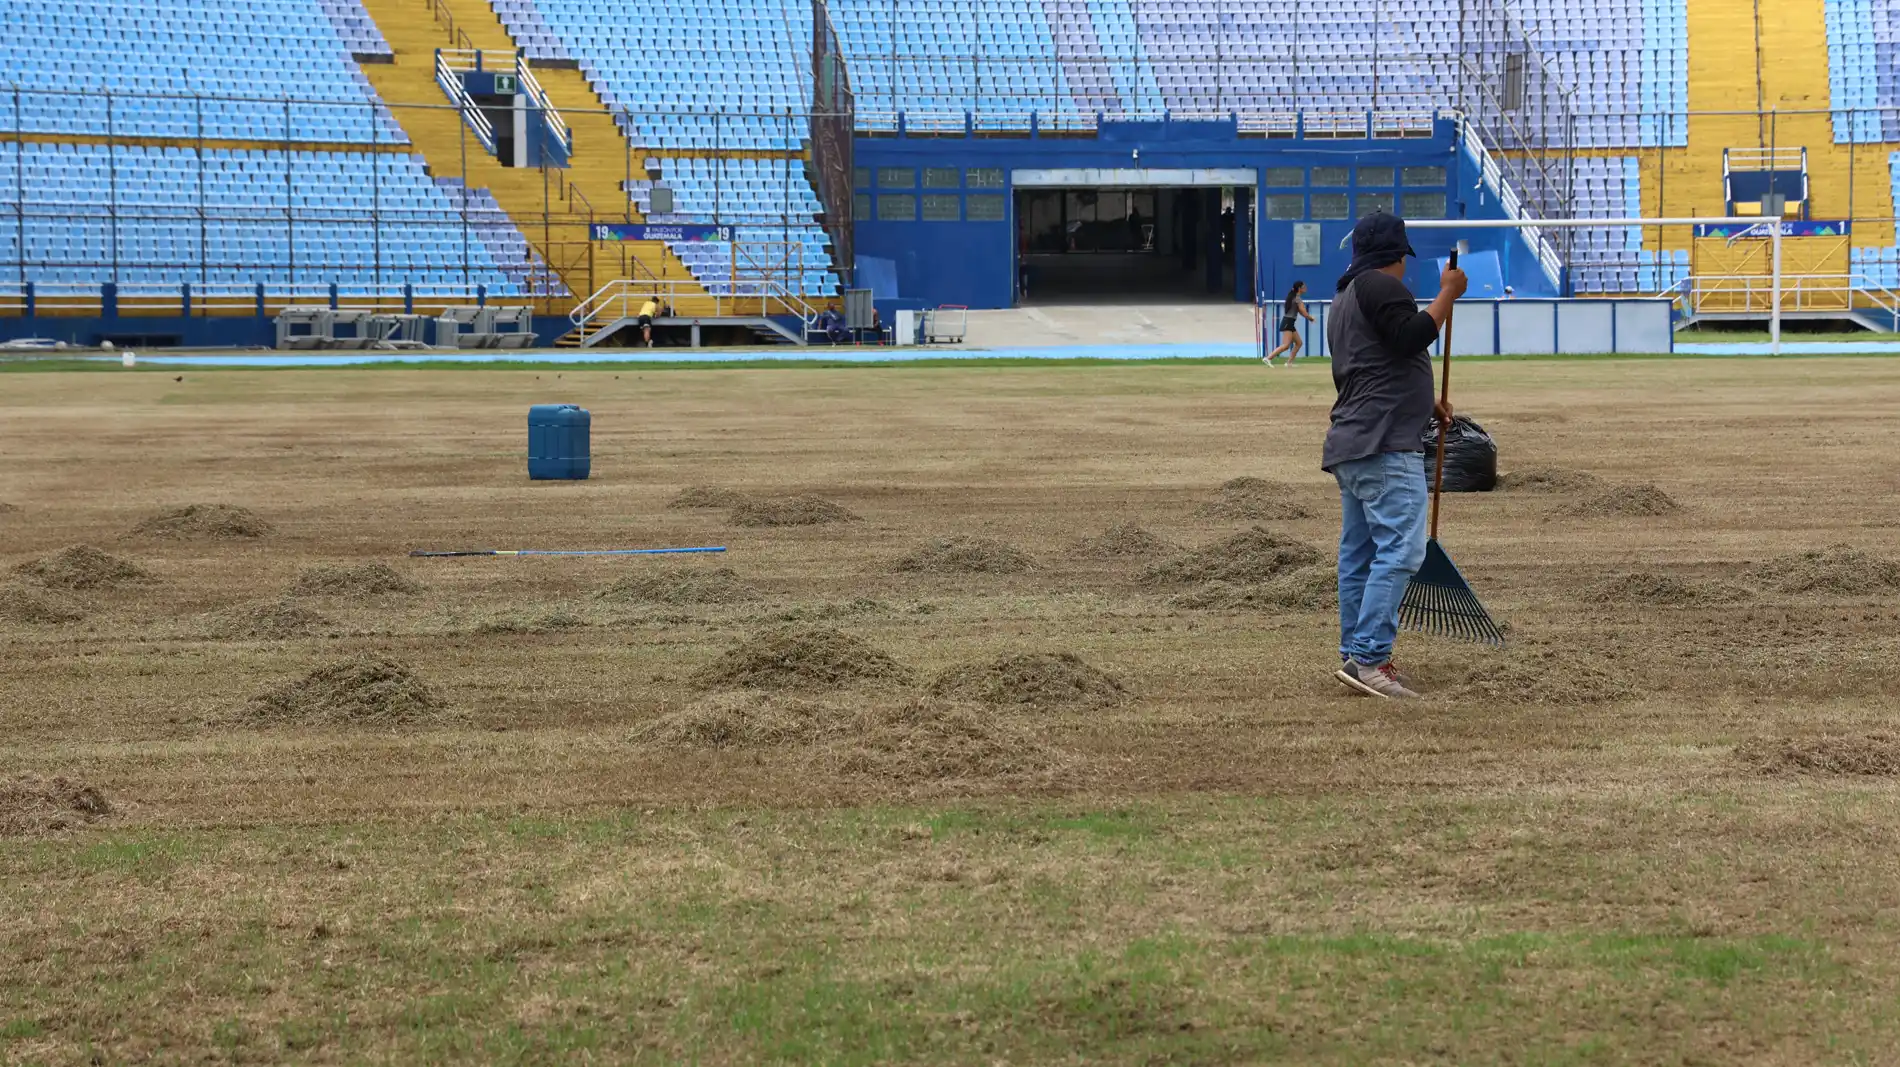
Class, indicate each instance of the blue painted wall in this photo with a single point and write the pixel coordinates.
(971, 262)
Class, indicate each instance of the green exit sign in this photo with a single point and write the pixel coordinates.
(505, 85)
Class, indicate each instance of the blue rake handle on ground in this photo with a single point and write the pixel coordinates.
(568, 552)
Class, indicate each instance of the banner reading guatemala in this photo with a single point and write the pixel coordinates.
(1789, 228)
(639, 231)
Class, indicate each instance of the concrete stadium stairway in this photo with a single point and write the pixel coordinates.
(542, 203)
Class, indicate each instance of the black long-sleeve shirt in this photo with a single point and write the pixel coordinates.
(1378, 340)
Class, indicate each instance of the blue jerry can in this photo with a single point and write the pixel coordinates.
(558, 441)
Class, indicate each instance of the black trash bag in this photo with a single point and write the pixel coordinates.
(1471, 456)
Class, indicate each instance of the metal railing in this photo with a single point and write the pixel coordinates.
(754, 298)
(447, 77)
(196, 300)
(463, 60)
(1541, 244)
(1754, 294)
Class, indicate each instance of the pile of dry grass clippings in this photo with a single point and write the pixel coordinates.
(206, 522)
(960, 554)
(707, 496)
(1034, 679)
(362, 690)
(361, 580)
(1865, 755)
(83, 567)
(31, 805)
(818, 658)
(1254, 555)
(789, 511)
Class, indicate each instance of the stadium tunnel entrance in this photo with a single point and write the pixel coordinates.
(1132, 236)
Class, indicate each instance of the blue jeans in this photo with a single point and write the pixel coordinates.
(1382, 502)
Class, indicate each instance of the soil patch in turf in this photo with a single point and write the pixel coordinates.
(817, 658)
(707, 496)
(960, 554)
(206, 522)
(1619, 501)
(361, 580)
(368, 689)
(1656, 587)
(789, 511)
(1124, 540)
(1253, 555)
(681, 585)
(18, 603)
(1547, 480)
(1521, 675)
(1871, 755)
(747, 718)
(1033, 679)
(1837, 570)
(31, 805)
(268, 619)
(932, 740)
(1314, 588)
(83, 567)
(1256, 499)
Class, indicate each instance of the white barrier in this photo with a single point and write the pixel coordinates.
(1532, 327)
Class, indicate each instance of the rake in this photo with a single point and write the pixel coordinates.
(1439, 601)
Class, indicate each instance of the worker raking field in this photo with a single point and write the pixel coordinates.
(1003, 728)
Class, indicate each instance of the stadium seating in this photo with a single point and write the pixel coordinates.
(1880, 267)
(245, 217)
(280, 50)
(771, 206)
(711, 74)
(1861, 75)
(1627, 59)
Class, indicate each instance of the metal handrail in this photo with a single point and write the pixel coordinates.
(617, 300)
(446, 77)
(1541, 245)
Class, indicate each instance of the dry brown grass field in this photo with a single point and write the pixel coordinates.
(1003, 733)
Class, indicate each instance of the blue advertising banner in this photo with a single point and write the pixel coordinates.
(1789, 228)
(639, 231)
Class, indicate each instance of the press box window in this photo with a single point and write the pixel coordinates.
(1424, 175)
(1376, 176)
(896, 178)
(941, 208)
(1424, 205)
(861, 207)
(861, 177)
(1371, 202)
(1330, 206)
(1284, 207)
(900, 207)
(940, 177)
(984, 177)
(1286, 177)
(1333, 176)
(983, 209)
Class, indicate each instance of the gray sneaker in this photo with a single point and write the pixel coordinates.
(1380, 681)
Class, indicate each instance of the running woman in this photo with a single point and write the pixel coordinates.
(1290, 337)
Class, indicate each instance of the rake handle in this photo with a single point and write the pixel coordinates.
(1444, 396)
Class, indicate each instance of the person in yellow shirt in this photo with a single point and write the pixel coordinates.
(647, 311)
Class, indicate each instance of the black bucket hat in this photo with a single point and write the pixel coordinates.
(1377, 241)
